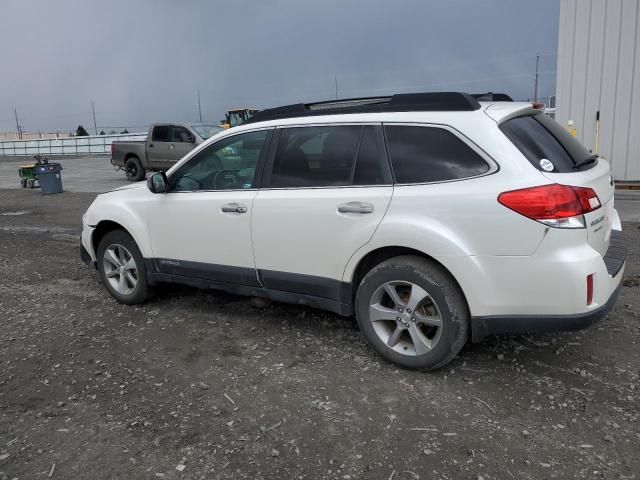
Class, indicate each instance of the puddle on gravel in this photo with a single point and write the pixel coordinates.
(25, 228)
(59, 233)
(14, 214)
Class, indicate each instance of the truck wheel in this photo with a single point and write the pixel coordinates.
(133, 169)
(122, 268)
(412, 312)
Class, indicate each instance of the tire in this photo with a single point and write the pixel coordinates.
(440, 323)
(127, 285)
(23, 182)
(30, 183)
(134, 170)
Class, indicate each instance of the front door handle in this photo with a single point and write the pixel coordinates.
(234, 208)
(172, 146)
(355, 207)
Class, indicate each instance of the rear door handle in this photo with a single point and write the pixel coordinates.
(234, 208)
(355, 207)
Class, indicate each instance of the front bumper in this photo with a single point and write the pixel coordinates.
(87, 255)
(84, 255)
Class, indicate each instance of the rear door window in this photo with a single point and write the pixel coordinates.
(315, 156)
(328, 156)
(160, 133)
(541, 138)
(423, 154)
(372, 167)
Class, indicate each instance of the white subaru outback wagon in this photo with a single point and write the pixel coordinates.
(432, 217)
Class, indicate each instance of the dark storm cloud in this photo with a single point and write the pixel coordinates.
(143, 61)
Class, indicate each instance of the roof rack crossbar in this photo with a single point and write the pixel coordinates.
(405, 102)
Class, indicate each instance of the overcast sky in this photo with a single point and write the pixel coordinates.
(143, 61)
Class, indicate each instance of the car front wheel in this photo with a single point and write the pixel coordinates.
(412, 312)
(122, 268)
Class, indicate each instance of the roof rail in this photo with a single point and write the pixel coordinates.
(492, 97)
(404, 102)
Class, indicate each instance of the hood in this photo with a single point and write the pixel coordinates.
(131, 186)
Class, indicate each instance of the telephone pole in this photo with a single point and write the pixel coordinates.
(199, 108)
(535, 88)
(15, 111)
(95, 127)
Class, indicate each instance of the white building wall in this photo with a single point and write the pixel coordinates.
(599, 69)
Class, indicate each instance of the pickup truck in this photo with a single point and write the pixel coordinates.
(166, 143)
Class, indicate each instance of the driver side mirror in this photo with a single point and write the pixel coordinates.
(191, 138)
(157, 183)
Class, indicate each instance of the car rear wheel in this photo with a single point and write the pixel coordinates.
(412, 312)
(122, 268)
(133, 169)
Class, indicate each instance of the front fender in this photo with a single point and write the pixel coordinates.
(127, 208)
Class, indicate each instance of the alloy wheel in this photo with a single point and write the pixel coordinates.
(405, 317)
(120, 269)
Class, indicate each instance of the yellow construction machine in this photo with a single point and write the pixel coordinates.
(237, 116)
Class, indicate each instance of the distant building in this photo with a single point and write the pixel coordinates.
(599, 71)
(31, 136)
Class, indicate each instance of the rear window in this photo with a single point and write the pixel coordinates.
(430, 154)
(541, 138)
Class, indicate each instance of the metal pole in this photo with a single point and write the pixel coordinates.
(15, 111)
(199, 108)
(535, 88)
(335, 79)
(95, 127)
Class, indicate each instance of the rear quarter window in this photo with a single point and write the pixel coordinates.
(423, 154)
(539, 137)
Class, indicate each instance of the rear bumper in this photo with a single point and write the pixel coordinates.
(482, 327)
(609, 281)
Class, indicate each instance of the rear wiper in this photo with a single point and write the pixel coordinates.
(586, 161)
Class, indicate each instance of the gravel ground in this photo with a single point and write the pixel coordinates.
(198, 384)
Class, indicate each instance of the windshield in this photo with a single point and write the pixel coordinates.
(546, 144)
(207, 131)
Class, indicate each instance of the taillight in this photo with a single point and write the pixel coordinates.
(560, 206)
(590, 289)
(113, 148)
